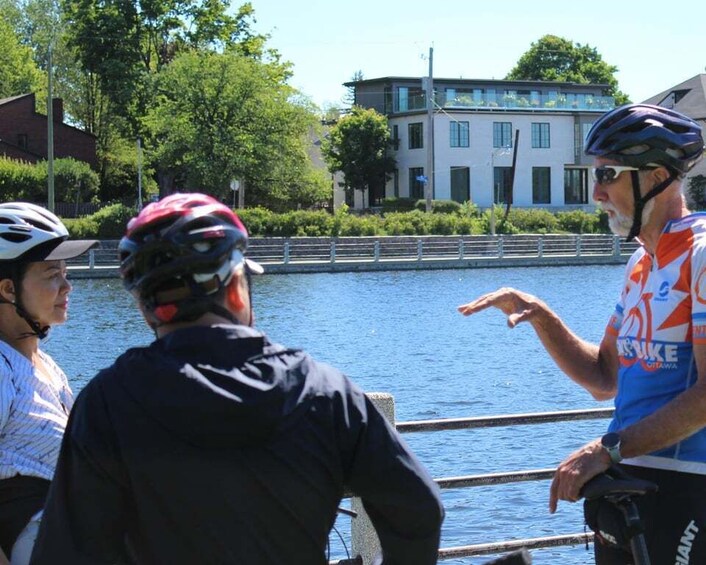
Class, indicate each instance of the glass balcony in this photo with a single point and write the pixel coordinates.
(408, 102)
(534, 101)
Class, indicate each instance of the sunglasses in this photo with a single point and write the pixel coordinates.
(607, 174)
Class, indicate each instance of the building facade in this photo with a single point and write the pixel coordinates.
(478, 127)
(23, 133)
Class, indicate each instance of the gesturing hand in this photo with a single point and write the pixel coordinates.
(518, 306)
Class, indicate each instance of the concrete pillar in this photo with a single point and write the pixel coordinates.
(364, 540)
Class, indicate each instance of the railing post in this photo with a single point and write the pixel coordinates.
(286, 252)
(540, 246)
(578, 245)
(419, 250)
(461, 248)
(91, 258)
(376, 250)
(364, 540)
(333, 251)
(616, 245)
(500, 247)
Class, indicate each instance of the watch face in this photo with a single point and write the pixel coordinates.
(610, 440)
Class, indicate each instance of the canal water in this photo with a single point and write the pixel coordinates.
(399, 332)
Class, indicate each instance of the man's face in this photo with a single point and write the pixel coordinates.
(615, 195)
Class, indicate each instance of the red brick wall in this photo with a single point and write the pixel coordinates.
(18, 117)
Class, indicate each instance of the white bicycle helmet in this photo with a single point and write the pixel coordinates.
(31, 233)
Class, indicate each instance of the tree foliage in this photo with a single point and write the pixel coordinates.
(696, 192)
(553, 58)
(224, 116)
(357, 146)
(124, 42)
(18, 72)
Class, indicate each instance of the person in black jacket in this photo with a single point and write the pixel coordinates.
(214, 445)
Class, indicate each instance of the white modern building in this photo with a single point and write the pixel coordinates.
(474, 125)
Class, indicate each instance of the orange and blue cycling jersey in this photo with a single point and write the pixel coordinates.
(661, 314)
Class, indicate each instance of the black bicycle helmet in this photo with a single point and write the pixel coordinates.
(179, 252)
(641, 134)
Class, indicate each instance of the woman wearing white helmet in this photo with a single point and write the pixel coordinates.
(35, 397)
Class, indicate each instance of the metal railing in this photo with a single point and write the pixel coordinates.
(341, 253)
(504, 478)
(499, 547)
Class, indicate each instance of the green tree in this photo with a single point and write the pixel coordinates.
(553, 58)
(225, 116)
(349, 96)
(123, 42)
(18, 72)
(357, 146)
(696, 192)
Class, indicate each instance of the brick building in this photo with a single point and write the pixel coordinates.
(23, 133)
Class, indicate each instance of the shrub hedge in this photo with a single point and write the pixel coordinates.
(28, 182)
(110, 222)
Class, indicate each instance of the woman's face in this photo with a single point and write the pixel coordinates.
(45, 292)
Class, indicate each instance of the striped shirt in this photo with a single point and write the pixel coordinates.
(33, 415)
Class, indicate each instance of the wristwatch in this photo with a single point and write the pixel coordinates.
(611, 443)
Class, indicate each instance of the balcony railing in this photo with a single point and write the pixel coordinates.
(562, 102)
(486, 101)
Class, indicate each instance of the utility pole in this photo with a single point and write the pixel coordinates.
(139, 174)
(429, 185)
(50, 135)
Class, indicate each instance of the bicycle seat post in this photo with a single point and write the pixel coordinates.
(638, 546)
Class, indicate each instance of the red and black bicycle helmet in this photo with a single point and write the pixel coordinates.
(641, 134)
(179, 252)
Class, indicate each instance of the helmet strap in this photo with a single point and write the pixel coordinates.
(40, 331)
(640, 200)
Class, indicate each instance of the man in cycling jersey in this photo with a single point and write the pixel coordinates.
(652, 357)
(214, 445)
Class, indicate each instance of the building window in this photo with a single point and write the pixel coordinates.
(416, 182)
(388, 100)
(395, 137)
(458, 134)
(396, 182)
(22, 140)
(350, 197)
(460, 184)
(540, 135)
(502, 134)
(585, 128)
(575, 186)
(541, 185)
(410, 99)
(502, 184)
(416, 135)
(402, 99)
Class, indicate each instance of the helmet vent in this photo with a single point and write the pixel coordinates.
(15, 237)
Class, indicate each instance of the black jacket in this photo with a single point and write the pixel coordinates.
(213, 445)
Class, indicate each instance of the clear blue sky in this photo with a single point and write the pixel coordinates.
(329, 40)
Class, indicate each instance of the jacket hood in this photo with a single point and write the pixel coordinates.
(218, 386)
